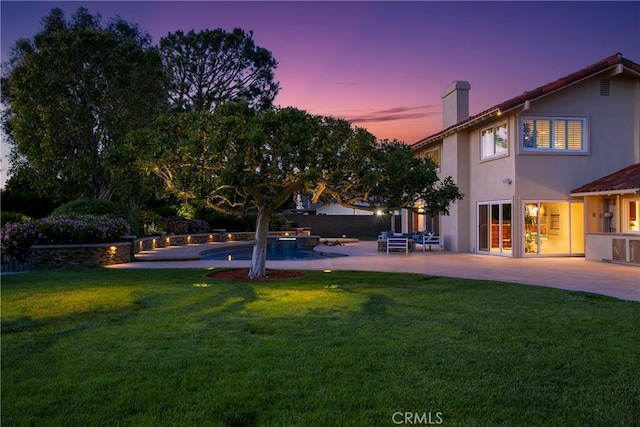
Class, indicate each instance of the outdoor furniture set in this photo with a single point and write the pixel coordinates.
(398, 242)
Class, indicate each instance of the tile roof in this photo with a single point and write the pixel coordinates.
(555, 85)
(624, 179)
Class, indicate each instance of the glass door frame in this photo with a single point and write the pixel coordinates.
(486, 240)
(534, 228)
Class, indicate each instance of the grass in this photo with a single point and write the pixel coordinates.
(171, 347)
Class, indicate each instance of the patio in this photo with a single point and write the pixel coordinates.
(570, 273)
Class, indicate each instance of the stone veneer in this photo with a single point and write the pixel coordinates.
(48, 257)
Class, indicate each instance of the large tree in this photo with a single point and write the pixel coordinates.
(214, 66)
(73, 95)
(237, 158)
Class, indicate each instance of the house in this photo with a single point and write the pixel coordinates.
(531, 167)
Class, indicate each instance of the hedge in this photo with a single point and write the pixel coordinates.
(17, 238)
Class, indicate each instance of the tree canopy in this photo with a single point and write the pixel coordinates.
(214, 66)
(237, 158)
(73, 95)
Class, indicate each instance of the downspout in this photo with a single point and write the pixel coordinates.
(636, 122)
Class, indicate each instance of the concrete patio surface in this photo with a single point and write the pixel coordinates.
(570, 273)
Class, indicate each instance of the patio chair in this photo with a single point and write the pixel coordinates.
(401, 243)
(429, 239)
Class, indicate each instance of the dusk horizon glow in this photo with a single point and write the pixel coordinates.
(383, 65)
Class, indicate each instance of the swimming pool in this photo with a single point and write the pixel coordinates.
(274, 253)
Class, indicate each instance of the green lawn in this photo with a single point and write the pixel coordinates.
(110, 347)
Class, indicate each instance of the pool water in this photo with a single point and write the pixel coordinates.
(274, 253)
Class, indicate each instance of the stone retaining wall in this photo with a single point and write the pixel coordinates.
(48, 257)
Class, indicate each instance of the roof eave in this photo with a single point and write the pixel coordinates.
(613, 69)
(470, 122)
(623, 192)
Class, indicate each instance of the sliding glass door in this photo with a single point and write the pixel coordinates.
(553, 228)
(494, 228)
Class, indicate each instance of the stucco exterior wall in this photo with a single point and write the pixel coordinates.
(492, 179)
(610, 132)
(454, 162)
(623, 248)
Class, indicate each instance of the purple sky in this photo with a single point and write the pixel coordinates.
(383, 65)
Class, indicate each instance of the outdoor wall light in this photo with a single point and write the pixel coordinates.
(506, 180)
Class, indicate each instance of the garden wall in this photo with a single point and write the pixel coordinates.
(48, 257)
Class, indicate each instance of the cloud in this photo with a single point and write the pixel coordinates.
(391, 114)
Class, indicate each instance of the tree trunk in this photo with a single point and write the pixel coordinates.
(259, 257)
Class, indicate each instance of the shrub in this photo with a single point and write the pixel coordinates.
(175, 225)
(17, 238)
(198, 226)
(8, 217)
(279, 222)
(185, 226)
(150, 221)
(92, 207)
(97, 207)
(229, 222)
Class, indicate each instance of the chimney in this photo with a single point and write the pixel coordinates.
(455, 103)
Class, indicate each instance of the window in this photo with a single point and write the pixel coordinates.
(493, 141)
(433, 155)
(631, 216)
(554, 135)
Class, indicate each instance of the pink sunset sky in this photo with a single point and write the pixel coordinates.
(383, 65)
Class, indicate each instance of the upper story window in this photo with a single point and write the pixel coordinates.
(554, 135)
(433, 155)
(494, 141)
